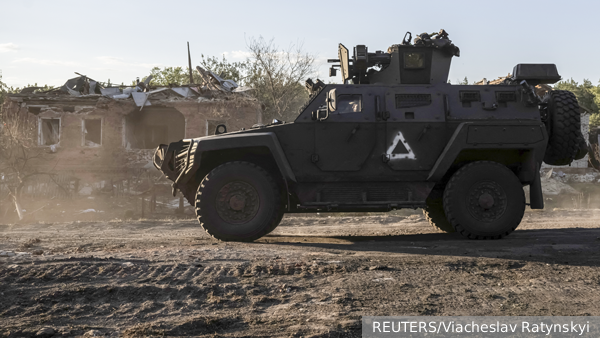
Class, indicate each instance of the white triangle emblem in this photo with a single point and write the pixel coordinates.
(410, 155)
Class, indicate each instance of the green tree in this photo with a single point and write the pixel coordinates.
(464, 81)
(236, 71)
(169, 76)
(586, 93)
(588, 97)
(178, 76)
(275, 75)
(3, 90)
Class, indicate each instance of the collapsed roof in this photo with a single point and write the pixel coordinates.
(83, 86)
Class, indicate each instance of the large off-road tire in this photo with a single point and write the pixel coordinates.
(238, 201)
(484, 200)
(434, 212)
(564, 127)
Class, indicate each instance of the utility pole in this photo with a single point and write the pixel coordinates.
(190, 63)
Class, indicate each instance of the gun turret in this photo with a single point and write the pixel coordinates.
(403, 63)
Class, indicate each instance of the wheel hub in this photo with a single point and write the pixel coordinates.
(487, 201)
(237, 202)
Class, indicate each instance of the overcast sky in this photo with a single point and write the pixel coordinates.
(45, 42)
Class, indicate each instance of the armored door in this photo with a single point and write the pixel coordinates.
(346, 138)
(415, 129)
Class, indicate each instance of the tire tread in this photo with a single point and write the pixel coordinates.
(564, 139)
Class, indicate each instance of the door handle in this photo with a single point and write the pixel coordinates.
(423, 132)
(488, 106)
(353, 132)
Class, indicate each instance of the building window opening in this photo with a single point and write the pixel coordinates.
(211, 126)
(92, 132)
(49, 132)
(149, 128)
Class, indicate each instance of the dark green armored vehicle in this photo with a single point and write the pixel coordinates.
(395, 135)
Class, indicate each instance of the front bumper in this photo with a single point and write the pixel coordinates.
(175, 160)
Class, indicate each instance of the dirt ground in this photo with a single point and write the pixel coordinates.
(314, 276)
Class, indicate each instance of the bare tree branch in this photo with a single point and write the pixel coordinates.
(277, 76)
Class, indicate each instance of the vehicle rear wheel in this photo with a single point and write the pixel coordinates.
(563, 125)
(484, 200)
(434, 213)
(238, 201)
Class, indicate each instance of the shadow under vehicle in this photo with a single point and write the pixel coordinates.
(394, 135)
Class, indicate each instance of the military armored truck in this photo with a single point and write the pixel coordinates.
(394, 135)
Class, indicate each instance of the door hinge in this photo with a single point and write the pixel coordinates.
(314, 158)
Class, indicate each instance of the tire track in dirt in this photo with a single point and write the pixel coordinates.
(146, 280)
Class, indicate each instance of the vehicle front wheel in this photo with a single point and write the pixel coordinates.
(484, 200)
(434, 212)
(238, 201)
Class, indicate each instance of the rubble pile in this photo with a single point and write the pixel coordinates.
(553, 187)
(593, 177)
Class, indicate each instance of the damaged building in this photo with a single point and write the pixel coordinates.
(96, 137)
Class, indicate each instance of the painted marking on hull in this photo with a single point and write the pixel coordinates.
(410, 155)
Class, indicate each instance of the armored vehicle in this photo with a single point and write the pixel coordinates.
(394, 135)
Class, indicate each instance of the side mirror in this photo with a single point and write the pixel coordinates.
(331, 106)
(322, 113)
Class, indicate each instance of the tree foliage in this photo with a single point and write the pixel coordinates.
(275, 75)
(4, 90)
(465, 81)
(18, 147)
(587, 95)
(178, 76)
(236, 71)
(169, 76)
(17, 150)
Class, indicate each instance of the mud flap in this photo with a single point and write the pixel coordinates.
(536, 197)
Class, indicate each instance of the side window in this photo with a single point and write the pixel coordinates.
(349, 104)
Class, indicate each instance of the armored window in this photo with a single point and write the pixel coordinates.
(414, 60)
(92, 132)
(49, 131)
(349, 104)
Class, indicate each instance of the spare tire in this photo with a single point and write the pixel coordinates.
(563, 126)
